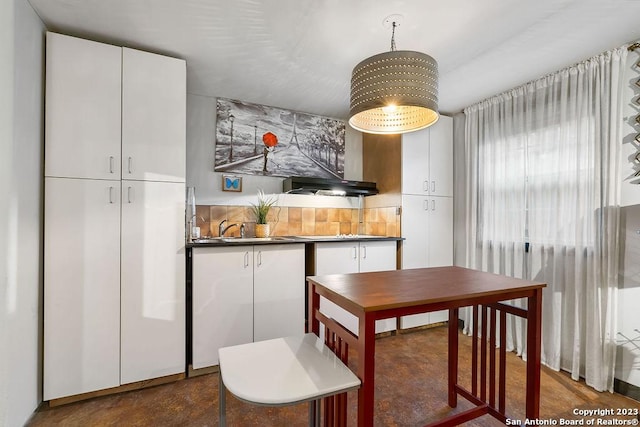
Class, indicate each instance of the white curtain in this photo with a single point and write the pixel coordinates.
(542, 195)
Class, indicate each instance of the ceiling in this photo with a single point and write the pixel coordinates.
(298, 54)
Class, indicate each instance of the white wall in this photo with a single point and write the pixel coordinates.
(628, 354)
(630, 192)
(201, 122)
(21, 136)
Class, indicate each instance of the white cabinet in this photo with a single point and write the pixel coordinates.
(418, 168)
(222, 301)
(82, 120)
(427, 160)
(153, 274)
(153, 89)
(278, 291)
(354, 257)
(114, 276)
(427, 225)
(427, 206)
(243, 294)
(82, 286)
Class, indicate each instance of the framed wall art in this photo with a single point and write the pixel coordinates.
(231, 183)
(261, 140)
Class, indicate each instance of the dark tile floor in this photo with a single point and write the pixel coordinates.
(410, 391)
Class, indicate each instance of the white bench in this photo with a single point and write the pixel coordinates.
(281, 372)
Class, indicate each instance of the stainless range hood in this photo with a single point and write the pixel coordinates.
(328, 187)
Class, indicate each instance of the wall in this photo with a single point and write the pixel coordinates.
(630, 191)
(201, 115)
(21, 154)
(628, 354)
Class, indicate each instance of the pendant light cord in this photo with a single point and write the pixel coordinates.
(393, 37)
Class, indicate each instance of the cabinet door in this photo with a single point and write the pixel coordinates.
(379, 256)
(81, 286)
(337, 258)
(415, 162)
(222, 301)
(278, 291)
(440, 237)
(82, 112)
(415, 230)
(153, 117)
(153, 280)
(441, 157)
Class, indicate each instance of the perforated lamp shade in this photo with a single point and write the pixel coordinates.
(394, 92)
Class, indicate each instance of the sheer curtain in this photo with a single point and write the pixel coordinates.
(542, 194)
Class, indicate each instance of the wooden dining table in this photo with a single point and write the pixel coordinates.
(391, 294)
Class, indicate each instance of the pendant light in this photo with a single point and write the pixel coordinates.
(394, 92)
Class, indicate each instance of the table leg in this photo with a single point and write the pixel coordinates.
(534, 346)
(453, 357)
(366, 369)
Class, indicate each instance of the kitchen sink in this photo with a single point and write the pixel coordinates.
(209, 240)
(221, 240)
(254, 239)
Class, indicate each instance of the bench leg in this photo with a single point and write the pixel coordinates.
(222, 404)
(314, 413)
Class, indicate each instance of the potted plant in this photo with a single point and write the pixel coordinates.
(261, 210)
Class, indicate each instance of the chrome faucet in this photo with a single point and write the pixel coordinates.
(222, 229)
(242, 230)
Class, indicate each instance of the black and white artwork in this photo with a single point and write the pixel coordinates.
(262, 140)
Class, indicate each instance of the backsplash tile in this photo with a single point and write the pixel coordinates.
(296, 221)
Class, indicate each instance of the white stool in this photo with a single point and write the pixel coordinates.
(283, 371)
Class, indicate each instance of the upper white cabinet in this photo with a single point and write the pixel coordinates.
(427, 160)
(153, 90)
(243, 294)
(82, 113)
(153, 272)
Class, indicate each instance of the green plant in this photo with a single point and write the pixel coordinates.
(261, 209)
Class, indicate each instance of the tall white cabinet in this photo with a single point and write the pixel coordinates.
(114, 296)
(415, 171)
(427, 204)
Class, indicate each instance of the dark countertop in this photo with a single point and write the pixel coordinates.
(236, 241)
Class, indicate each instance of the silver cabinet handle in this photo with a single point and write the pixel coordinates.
(364, 252)
(111, 164)
(111, 195)
(425, 205)
(259, 258)
(433, 186)
(129, 194)
(425, 185)
(433, 204)
(246, 259)
(130, 165)
(355, 253)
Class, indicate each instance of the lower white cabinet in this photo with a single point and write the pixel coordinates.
(427, 226)
(354, 257)
(82, 286)
(153, 277)
(114, 284)
(243, 294)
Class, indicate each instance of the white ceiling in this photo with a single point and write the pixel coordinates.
(298, 54)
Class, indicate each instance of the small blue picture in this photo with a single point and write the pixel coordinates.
(231, 183)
